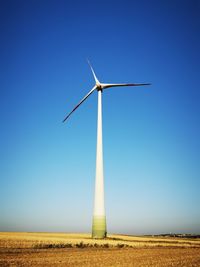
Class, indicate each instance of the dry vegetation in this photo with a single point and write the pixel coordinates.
(63, 249)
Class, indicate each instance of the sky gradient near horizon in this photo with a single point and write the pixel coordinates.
(150, 134)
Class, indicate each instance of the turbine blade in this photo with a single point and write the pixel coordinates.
(96, 80)
(108, 85)
(82, 100)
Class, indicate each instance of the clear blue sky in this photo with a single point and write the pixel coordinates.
(151, 134)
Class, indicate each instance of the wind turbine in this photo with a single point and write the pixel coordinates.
(99, 218)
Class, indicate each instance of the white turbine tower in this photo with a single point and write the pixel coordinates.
(99, 218)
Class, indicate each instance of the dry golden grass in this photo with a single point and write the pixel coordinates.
(33, 240)
(65, 249)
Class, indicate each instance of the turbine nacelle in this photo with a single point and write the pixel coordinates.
(99, 86)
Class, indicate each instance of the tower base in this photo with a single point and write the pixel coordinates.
(99, 227)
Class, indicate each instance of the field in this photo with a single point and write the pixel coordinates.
(64, 249)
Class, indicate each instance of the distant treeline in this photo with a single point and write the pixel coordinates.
(178, 235)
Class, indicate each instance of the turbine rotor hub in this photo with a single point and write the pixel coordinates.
(99, 86)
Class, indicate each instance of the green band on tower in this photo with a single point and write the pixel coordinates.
(99, 227)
